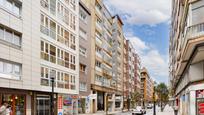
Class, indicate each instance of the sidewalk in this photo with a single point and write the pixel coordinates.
(103, 113)
(167, 111)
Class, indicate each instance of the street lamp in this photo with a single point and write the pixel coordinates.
(154, 99)
(52, 77)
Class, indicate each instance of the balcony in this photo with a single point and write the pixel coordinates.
(98, 41)
(194, 36)
(98, 11)
(99, 26)
(107, 47)
(99, 55)
(107, 59)
(98, 69)
(107, 71)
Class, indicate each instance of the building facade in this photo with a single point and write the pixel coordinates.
(147, 87)
(137, 75)
(39, 41)
(102, 87)
(186, 55)
(84, 58)
(117, 61)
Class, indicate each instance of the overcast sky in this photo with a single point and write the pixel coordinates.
(147, 26)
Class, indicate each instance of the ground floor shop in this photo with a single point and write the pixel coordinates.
(25, 102)
(191, 100)
(104, 101)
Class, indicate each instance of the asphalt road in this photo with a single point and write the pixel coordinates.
(167, 111)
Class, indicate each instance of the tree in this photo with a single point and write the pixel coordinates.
(163, 94)
(136, 97)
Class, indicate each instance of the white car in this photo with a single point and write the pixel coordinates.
(139, 111)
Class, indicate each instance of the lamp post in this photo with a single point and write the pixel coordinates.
(154, 99)
(52, 77)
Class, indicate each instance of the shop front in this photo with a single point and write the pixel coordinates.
(17, 99)
(67, 104)
(118, 103)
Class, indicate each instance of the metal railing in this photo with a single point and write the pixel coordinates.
(193, 32)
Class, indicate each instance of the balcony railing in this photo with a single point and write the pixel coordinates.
(98, 55)
(98, 11)
(99, 26)
(98, 41)
(193, 32)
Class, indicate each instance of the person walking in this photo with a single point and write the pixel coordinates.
(3, 109)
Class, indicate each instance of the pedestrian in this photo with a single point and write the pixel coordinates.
(3, 108)
(175, 110)
(8, 110)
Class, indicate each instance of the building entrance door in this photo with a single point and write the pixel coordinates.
(43, 105)
(100, 101)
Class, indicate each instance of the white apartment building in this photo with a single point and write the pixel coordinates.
(39, 39)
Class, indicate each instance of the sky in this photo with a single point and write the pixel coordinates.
(146, 25)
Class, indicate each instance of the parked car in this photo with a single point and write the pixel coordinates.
(149, 107)
(139, 111)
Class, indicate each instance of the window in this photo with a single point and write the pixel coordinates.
(73, 46)
(83, 16)
(12, 6)
(73, 4)
(16, 8)
(10, 36)
(63, 13)
(99, 78)
(83, 86)
(48, 52)
(82, 34)
(72, 62)
(1, 67)
(49, 5)
(73, 21)
(10, 70)
(16, 39)
(48, 27)
(82, 67)
(98, 6)
(73, 85)
(98, 64)
(1, 33)
(57, 56)
(98, 49)
(82, 51)
(63, 80)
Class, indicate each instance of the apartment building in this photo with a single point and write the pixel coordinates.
(39, 41)
(118, 60)
(84, 58)
(186, 55)
(125, 75)
(129, 75)
(147, 86)
(137, 76)
(102, 87)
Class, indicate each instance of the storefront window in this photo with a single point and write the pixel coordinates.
(17, 103)
(43, 105)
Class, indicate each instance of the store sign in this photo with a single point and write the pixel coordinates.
(67, 101)
(201, 108)
(200, 94)
(93, 96)
(87, 104)
(200, 102)
(60, 102)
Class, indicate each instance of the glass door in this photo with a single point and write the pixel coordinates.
(43, 105)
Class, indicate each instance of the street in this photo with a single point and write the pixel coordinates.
(167, 111)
